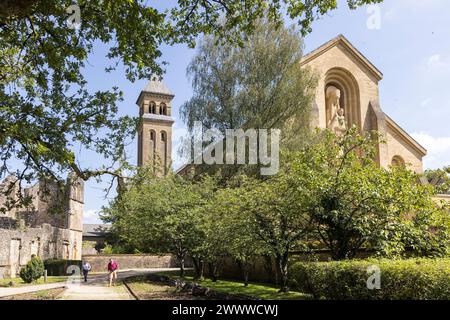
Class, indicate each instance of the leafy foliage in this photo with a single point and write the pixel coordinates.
(206, 16)
(255, 86)
(33, 270)
(275, 216)
(230, 231)
(412, 279)
(353, 202)
(440, 179)
(160, 215)
(330, 194)
(46, 105)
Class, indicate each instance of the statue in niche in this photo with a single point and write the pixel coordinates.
(335, 113)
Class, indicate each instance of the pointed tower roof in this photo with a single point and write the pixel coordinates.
(157, 86)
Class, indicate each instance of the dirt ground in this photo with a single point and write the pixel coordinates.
(146, 290)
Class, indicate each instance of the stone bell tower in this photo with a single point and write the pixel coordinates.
(155, 130)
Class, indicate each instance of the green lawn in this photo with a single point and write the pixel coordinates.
(51, 294)
(260, 290)
(18, 282)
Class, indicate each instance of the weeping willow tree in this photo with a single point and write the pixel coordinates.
(259, 85)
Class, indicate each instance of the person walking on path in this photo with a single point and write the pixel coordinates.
(86, 268)
(112, 269)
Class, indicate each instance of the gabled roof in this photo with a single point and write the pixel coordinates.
(340, 39)
(406, 136)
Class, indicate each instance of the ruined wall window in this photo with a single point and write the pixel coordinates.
(163, 109)
(152, 107)
(398, 161)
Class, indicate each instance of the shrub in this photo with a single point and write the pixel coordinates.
(33, 270)
(412, 279)
(58, 267)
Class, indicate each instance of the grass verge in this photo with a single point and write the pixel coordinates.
(260, 290)
(51, 294)
(18, 282)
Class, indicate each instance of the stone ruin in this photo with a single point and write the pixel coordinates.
(49, 224)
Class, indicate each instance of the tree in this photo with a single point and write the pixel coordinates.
(259, 85)
(277, 217)
(46, 105)
(440, 179)
(159, 214)
(232, 232)
(354, 203)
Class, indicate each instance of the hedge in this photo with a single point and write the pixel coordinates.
(58, 267)
(411, 279)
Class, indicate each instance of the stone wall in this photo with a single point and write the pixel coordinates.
(18, 245)
(399, 146)
(99, 263)
(50, 227)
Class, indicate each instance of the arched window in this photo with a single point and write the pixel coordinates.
(164, 151)
(152, 107)
(397, 161)
(163, 109)
(152, 147)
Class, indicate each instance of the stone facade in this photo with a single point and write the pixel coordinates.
(340, 65)
(49, 227)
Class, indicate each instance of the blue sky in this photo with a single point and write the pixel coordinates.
(411, 47)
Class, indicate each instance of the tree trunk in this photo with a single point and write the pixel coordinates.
(180, 258)
(198, 268)
(246, 274)
(213, 269)
(282, 263)
(342, 250)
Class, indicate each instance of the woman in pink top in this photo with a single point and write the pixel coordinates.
(112, 269)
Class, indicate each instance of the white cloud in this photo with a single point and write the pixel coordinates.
(91, 216)
(438, 150)
(426, 102)
(437, 61)
(434, 60)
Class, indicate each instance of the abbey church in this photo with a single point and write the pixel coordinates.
(347, 95)
(345, 72)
